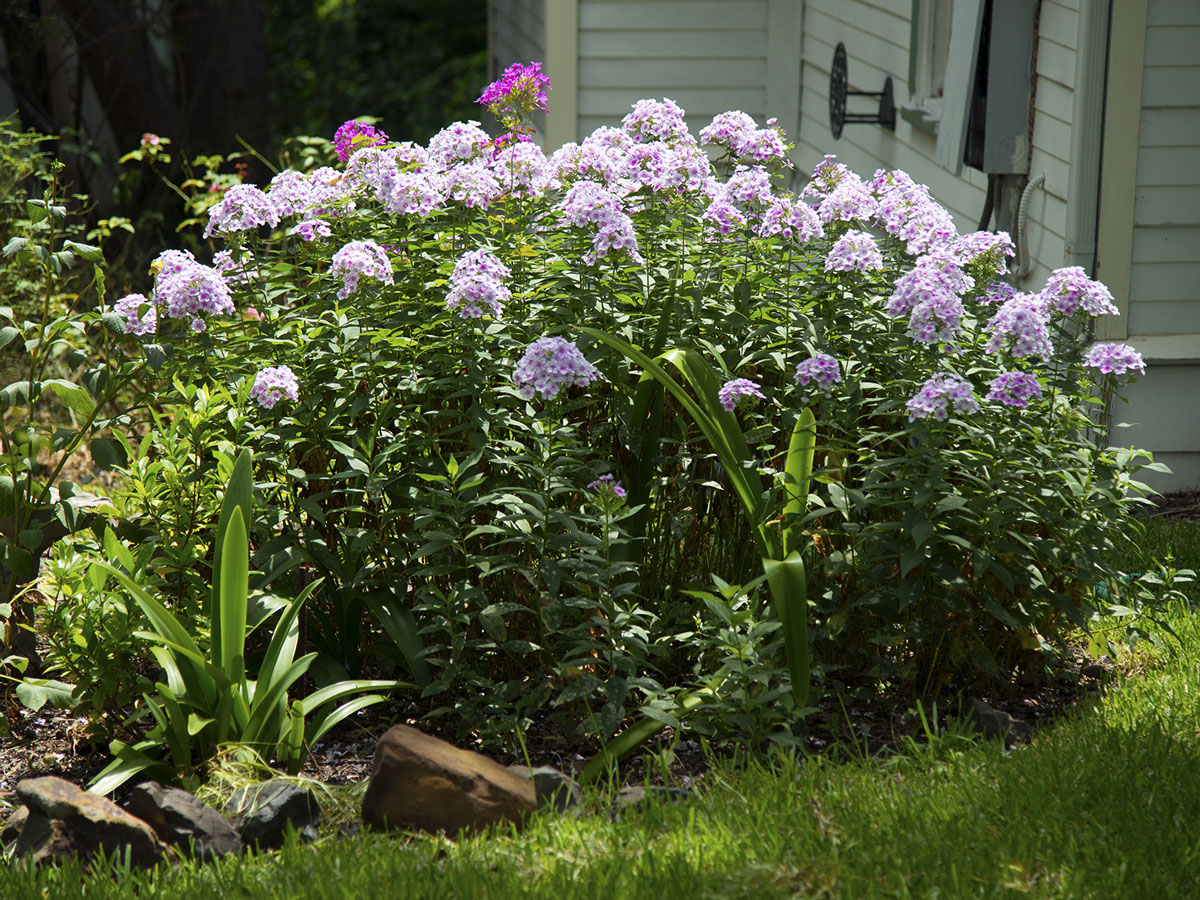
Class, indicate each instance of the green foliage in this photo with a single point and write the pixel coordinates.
(209, 700)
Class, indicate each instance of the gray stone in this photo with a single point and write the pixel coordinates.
(995, 723)
(642, 797)
(421, 782)
(13, 825)
(554, 789)
(66, 821)
(180, 819)
(263, 812)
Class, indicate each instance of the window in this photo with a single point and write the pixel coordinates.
(929, 50)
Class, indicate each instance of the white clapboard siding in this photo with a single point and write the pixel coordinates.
(876, 36)
(1164, 291)
(708, 57)
(519, 36)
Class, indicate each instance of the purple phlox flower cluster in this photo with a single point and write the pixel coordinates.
(186, 289)
(907, 211)
(519, 91)
(1114, 359)
(235, 271)
(791, 218)
(140, 314)
(356, 259)
(590, 204)
(854, 251)
(290, 191)
(821, 369)
(311, 229)
(473, 185)
(522, 168)
(353, 135)
(459, 142)
(548, 365)
(272, 384)
(657, 120)
(242, 208)
(600, 157)
(826, 176)
(849, 201)
(1069, 290)
(738, 133)
(660, 167)
(919, 285)
(739, 392)
(745, 197)
(328, 192)
(371, 169)
(937, 318)
(1015, 389)
(608, 483)
(1021, 321)
(477, 282)
(938, 394)
(415, 193)
(985, 248)
(998, 292)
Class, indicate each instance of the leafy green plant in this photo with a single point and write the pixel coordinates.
(209, 700)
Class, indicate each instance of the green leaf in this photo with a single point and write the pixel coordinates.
(156, 355)
(239, 499)
(114, 322)
(36, 210)
(8, 334)
(788, 585)
(15, 394)
(107, 453)
(34, 693)
(633, 737)
(401, 627)
(229, 631)
(85, 251)
(798, 468)
(74, 395)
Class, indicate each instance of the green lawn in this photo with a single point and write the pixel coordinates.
(1105, 804)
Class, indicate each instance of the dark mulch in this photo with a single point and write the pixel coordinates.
(53, 742)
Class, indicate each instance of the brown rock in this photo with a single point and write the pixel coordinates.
(66, 821)
(421, 782)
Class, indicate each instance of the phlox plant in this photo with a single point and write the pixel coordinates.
(440, 353)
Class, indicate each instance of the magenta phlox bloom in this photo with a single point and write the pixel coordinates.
(550, 364)
(854, 251)
(938, 394)
(243, 208)
(1114, 359)
(608, 483)
(821, 370)
(477, 283)
(459, 142)
(353, 135)
(986, 248)
(140, 314)
(356, 260)
(657, 120)
(1069, 290)
(1015, 389)
(519, 91)
(739, 392)
(272, 384)
(1021, 325)
(186, 289)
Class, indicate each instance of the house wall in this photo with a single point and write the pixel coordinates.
(708, 57)
(518, 34)
(1156, 245)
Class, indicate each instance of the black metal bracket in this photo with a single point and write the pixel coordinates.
(838, 93)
